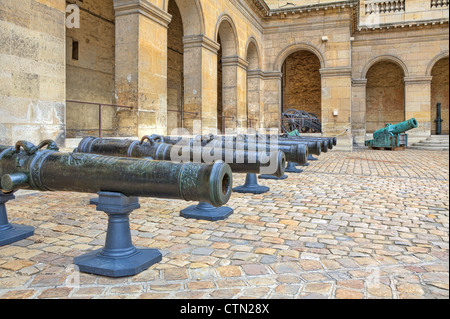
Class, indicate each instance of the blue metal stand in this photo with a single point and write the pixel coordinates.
(205, 211)
(118, 258)
(251, 186)
(290, 168)
(10, 233)
(312, 158)
(272, 177)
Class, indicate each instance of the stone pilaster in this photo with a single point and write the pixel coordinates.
(359, 111)
(200, 83)
(234, 74)
(418, 105)
(337, 96)
(272, 99)
(141, 67)
(254, 98)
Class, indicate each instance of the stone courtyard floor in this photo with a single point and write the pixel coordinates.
(366, 224)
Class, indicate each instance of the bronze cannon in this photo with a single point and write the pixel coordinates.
(240, 161)
(297, 153)
(26, 166)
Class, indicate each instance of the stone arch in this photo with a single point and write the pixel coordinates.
(439, 93)
(390, 58)
(437, 58)
(282, 56)
(253, 55)
(228, 62)
(253, 103)
(192, 12)
(175, 68)
(227, 33)
(385, 93)
(301, 85)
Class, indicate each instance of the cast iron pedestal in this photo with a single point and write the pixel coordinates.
(205, 211)
(290, 168)
(118, 258)
(10, 233)
(251, 186)
(272, 177)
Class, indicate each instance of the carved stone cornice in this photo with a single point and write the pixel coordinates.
(359, 82)
(417, 79)
(200, 40)
(255, 74)
(272, 75)
(340, 71)
(234, 61)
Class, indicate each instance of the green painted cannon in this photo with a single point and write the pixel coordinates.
(392, 136)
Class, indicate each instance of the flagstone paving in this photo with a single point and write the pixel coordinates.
(366, 224)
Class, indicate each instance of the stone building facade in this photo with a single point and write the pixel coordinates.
(205, 65)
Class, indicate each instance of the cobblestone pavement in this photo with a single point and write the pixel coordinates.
(367, 224)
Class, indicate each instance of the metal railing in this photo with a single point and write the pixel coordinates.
(100, 105)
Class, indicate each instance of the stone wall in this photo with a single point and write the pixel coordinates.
(325, 34)
(32, 71)
(414, 49)
(90, 74)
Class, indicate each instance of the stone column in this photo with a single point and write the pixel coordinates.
(272, 99)
(254, 98)
(141, 67)
(418, 105)
(359, 111)
(200, 84)
(234, 78)
(337, 97)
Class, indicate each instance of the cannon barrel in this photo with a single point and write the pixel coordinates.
(296, 153)
(330, 141)
(314, 146)
(398, 128)
(26, 166)
(326, 142)
(240, 161)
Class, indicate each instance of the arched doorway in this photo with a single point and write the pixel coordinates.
(175, 70)
(439, 94)
(226, 76)
(253, 87)
(90, 71)
(301, 83)
(385, 95)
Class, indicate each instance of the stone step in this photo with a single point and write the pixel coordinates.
(429, 148)
(435, 142)
(438, 139)
(431, 143)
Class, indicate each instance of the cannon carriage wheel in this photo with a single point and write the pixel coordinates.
(290, 121)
